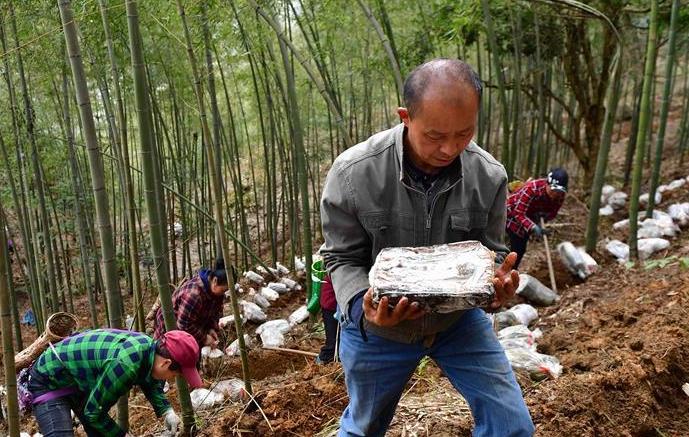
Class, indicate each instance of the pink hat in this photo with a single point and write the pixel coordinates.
(184, 351)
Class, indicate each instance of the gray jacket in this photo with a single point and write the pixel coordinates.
(368, 204)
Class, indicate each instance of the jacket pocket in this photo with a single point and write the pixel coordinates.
(467, 225)
(388, 229)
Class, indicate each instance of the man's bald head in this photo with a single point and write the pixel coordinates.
(450, 78)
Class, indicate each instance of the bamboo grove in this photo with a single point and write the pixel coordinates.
(140, 140)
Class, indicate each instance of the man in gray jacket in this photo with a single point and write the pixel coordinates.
(420, 183)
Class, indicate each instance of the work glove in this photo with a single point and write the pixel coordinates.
(172, 422)
(537, 231)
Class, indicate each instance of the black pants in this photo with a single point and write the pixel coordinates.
(328, 350)
(518, 245)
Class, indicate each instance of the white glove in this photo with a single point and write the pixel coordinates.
(172, 421)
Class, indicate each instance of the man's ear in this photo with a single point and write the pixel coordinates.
(165, 364)
(404, 115)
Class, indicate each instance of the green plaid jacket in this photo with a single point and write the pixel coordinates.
(103, 365)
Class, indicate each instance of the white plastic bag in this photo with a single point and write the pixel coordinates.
(269, 294)
(227, 321)
(278, 286)
(618, 249)
(520, 332)
(605, 194)
(677, 183)
(203, 399)
(648, 246)
(281, 325)
(298, 316)
(272, 332)
(211, 353)
(679, 212)
(622, 224)
(525, 313)
(233, 349)
(572, 259)
(617, 200)
(643, 199)
(504, 319)
(259, 300)
(535, 364)
(606, 211)
(535, 292)
(254, 277)
(290, 283)
(252, 312)
(282, 269)
(590, 264)
(299, 264)
(232, 389)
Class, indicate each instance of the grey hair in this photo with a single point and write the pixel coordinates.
(440, 68)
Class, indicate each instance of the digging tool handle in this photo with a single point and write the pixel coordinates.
(551, 272)
(292, 351)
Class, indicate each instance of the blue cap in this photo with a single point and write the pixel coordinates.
(558, 179)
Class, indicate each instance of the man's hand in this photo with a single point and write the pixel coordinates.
(505, 282)
(212, 339)
(382, 315)
(172, 421)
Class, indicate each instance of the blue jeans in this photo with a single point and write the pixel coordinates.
(469, 353)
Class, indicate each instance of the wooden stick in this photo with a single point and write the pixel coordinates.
(553, 284)
(292, 351)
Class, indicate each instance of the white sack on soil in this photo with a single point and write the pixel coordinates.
(178, 229)
(504, 319)
(233, 349)
(617, 200)
(606, 211)
(298, 316)
(679, 212)
(272, 338)
(269, 294)
(281, 325)
(259, 300)
(278, 286)
(265, 272)
(254, 277)
(299, 264)
(211, 353)
(520, 332)
(643, 199)
(203, 399)
(590, 264)
(605, 194)
(535, 364)
(618, 249)
(677, 183)
(290, 283)
(272, 332)
(227, 321)
(648, 246)
(282, 269)
(656, 228)
(572, 259)
(252, 312)
(232, 389)
(524, 312)
(535, 292)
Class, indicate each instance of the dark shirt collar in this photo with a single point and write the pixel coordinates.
(453, 172)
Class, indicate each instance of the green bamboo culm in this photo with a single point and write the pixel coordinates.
(644, 121)
(665, 107)
(107, 241)
(156, 224)
(6, 326)
(216, 195)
